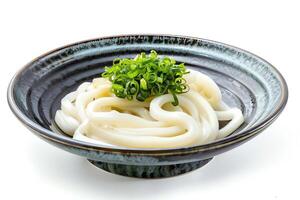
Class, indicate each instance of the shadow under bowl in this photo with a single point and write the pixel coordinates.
(246, 81)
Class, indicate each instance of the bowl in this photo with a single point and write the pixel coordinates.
(246, 81)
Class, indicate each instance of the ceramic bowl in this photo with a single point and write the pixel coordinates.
(246, 81)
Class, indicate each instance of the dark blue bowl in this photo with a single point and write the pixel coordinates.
(246, 81)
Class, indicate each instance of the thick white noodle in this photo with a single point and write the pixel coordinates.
(93, 114)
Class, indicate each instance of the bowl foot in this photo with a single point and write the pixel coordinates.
(152, 171)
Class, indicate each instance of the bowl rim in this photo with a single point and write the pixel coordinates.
(232, 139)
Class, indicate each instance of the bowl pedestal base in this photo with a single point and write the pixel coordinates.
(149, 171)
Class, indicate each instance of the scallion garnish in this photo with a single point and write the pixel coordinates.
(146, 76)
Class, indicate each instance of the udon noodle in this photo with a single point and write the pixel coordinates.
(94, 114)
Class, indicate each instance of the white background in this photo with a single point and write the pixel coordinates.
(267, 167)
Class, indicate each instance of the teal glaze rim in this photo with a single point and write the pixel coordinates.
(232, 139)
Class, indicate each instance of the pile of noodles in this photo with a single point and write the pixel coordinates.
(94, 114)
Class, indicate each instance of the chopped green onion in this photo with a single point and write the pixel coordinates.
(143, 84)
(146, 76)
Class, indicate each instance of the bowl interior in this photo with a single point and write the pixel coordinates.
(246, 81)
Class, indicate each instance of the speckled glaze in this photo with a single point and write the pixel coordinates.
(246, 81)
(150, 171)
